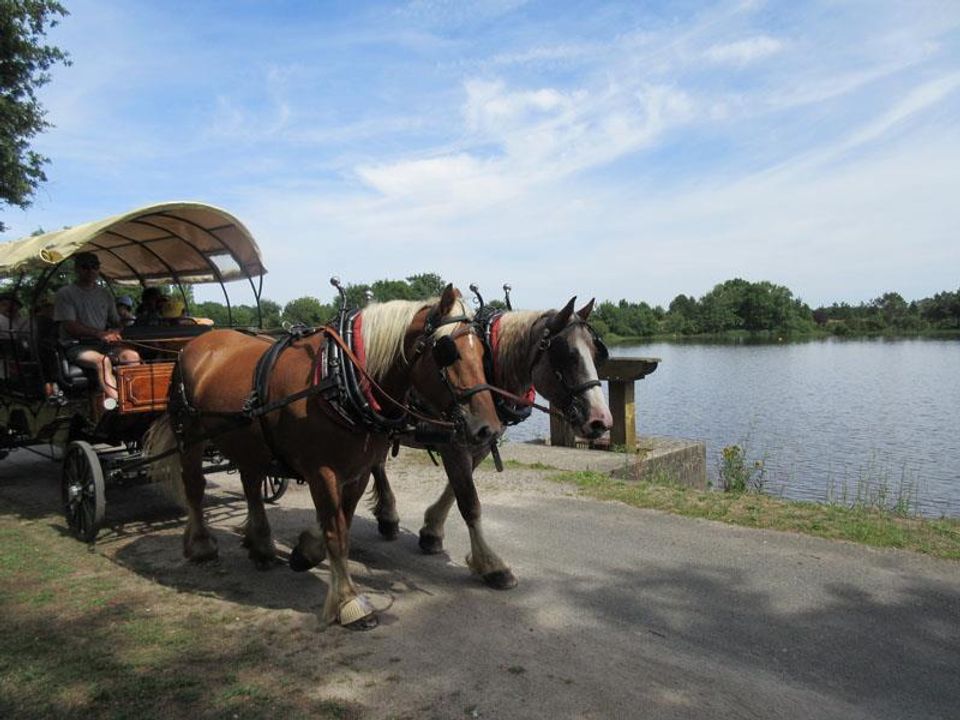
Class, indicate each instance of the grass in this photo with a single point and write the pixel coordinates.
(866, 525)
(82, 640)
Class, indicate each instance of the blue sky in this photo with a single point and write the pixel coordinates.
(621, 150)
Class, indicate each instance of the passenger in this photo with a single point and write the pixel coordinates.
(150, 309)
(13, 334)
(175, 313)
(10, 318)
(90, 328)
(125, 310)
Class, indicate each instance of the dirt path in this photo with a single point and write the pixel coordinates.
(619, 613)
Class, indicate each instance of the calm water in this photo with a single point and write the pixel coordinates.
(830, 418)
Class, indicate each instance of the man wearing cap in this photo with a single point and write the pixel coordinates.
(90, 326)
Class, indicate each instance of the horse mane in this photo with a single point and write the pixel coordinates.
(513, 350)
(385, 325)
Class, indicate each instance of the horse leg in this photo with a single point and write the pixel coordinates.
(343, 603)
(311, 546)
(198, 544)
(384, 504)
(256, 529)
(431, 534)
(459, 464)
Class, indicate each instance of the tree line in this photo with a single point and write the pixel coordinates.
(739, 306)
(732, 307)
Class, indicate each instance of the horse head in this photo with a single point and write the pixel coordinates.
(565, 369)
(447, 373)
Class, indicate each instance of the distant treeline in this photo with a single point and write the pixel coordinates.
(739, 306)
(734, 306)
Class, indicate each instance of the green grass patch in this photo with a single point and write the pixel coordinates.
(85, 638)
(870, 526)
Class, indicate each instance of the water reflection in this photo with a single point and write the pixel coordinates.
(832, 418)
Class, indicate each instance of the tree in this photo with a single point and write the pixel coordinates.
(24, 64)
(307, 310)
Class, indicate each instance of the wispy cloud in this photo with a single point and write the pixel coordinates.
(746, 51)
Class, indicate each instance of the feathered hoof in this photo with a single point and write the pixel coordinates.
(389, 529)
(358, 613)
(500, 579)
(430, 544)
(299, 562)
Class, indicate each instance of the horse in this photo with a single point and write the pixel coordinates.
(555, 351)
(431, 347)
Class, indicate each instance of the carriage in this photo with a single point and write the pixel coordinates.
(46, 400)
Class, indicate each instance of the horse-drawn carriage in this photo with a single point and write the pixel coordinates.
(323, 405)
(46, 399)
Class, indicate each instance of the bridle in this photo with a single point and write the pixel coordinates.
(557, 350)
(445, 354)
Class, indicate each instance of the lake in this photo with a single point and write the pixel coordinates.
(831, 419)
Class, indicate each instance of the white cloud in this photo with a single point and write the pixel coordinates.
(746, 51)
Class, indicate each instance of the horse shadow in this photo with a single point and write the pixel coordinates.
(153, 549)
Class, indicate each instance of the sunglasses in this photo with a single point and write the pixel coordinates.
(89, 266)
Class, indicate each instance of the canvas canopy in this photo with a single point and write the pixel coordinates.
(175, 242)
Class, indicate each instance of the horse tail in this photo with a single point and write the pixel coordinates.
(162, 441)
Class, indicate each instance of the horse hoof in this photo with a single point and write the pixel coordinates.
(358, 614)
(500, 580)
(201, 551)
(389, 529)
(430, 544)
(299, 562)
(265, 563)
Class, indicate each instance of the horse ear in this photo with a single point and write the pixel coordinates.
(447, 299)
(584, 312)
(560, 320)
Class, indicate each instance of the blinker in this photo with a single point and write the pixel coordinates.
(560, 355)
(445, 352)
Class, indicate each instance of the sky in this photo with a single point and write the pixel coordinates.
(634, 150)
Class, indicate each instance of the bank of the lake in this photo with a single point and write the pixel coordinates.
(866, 421)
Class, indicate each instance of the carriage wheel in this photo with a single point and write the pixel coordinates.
(84, 500)
(273, 488)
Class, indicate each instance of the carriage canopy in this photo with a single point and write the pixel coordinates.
(174, 242)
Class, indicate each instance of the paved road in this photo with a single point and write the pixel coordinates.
(620, 613)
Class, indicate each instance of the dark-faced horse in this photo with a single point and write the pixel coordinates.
(432, 348)
(555, 351)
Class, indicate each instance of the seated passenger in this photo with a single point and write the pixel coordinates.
(125, 310)
(150, 309)
(90, 328)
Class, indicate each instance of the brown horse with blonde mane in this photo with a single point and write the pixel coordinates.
(431, 348)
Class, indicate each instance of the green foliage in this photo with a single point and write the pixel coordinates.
(307, 310)
(24, 64)
(737, 474)
(890, 313)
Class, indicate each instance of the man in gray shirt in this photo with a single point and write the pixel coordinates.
(90, 326)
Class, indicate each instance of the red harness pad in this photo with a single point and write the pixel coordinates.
(361, 354)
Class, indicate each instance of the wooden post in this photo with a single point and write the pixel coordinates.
(623, 410)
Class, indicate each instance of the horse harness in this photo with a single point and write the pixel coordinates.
(561, 358)
(513, 409)
(340, 378)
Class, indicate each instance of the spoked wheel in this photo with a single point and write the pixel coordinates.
(273, 488)
(84, 500)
